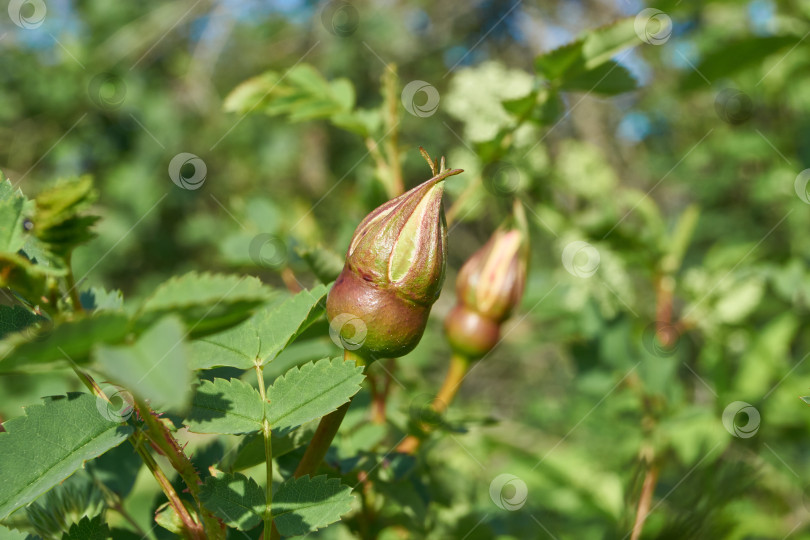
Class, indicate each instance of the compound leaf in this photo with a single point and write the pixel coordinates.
(311, 391)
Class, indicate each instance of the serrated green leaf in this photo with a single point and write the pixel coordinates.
(155, 367)
(279, 326)
(16, 318)
(65, 342)
(12, 204)
(49, 443)
(58, 221)
(314, 390)
(98, 299)
(235, 499)
(307, 504)
(9, 534)
(222, 406)
(207, 303)
(88, 529)
(236, 347)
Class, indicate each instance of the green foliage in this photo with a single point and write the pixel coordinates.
(311, 391)
(155, 367)
(306, 504)
(586, 65)
(88, 529)
(222, 406)
(49, 444)
(235, 499)
(679, 162)
(70, 341)
(205, 302)
(15, 319)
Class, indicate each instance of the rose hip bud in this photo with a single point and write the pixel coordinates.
(489, 287)
(393, 273)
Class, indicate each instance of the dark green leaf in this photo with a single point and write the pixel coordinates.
(65, 342)
(88, 529)
(222, 406)
(307, 504)
(236, 499)
(279, 326)
(314, 390)
(15, 319)
(49, 443)
(207, 303)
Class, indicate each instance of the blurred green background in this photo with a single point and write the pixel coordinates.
(688, 296)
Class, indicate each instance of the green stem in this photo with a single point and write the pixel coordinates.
(191, 528)
(326, 431)
(73, 292)
(459, 365)
(268, 458)
(159, 435)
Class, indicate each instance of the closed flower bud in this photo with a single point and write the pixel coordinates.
(489, 287)
(393, 273)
